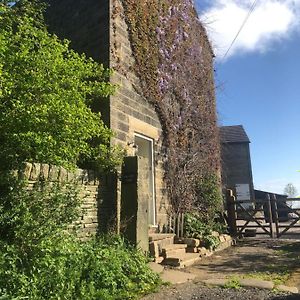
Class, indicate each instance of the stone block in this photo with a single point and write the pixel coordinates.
(222, 238)
(215, 233)
(79, 175)
(63, 175)
(53, 173)
(35, 172)
(44, 173)
(27, 170)
(191, 242)
(257, 283)
(154, 249)
(288, 289)
(192, 250)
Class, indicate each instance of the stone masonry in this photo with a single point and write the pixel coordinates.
(87, 183)
(98, 29)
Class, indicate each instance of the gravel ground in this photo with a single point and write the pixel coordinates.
(197, 291)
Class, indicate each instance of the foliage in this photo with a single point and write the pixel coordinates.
(209, 198)
(27, 216)
(63, 268)
(276, 277)
(194, 227)
(174, 63)
(40, 259)
(45, 92)
(233, 283)
(290, 190)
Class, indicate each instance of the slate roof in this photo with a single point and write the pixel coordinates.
(233, 134)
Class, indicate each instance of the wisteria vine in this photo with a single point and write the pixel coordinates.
(174, 62)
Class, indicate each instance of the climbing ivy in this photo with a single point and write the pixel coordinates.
(174, 63)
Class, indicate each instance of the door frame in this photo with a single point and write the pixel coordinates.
(139, 135)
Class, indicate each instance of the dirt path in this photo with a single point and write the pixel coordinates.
(265, 259)
(268, 259)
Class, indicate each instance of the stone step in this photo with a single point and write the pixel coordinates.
(173, 252)
(174, 247)
(161, 236)
(183, 260)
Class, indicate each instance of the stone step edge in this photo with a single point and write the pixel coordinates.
(181, 260)
(174, 247)
(160, 236)
(255, 283)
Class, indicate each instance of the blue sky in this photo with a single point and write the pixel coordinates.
(258, 83)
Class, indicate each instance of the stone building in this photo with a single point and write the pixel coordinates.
(236, 161)
(98, 29)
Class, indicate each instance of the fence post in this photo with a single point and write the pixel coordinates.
(231, 212)
(270, 213)
(275, 209)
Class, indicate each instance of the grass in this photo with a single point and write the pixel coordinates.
(276, 278)
(233, 283)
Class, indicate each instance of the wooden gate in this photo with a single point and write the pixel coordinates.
(263, 216)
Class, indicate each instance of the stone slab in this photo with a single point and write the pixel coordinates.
(257, 283)
(289, 289)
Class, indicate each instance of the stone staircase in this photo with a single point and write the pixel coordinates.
(167, 251)
(171, 251)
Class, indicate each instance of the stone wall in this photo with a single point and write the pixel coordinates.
(88, 185)
(130, 112)
(98, 29)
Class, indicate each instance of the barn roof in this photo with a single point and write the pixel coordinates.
(233, 134)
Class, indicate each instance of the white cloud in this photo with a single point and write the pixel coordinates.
(272, 20)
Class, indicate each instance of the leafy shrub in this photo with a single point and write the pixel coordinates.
(27, 216)
(209, 198)
(45, 95)
(64, 268)
(40, 259)
(196, 228)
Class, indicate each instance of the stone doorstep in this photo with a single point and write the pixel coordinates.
(183, 260)
(173, 252)
(160, 236)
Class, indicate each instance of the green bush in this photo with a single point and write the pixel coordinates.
(41, 259)
(46, 91)
(209, 198)
(194, 227)
(64, 268)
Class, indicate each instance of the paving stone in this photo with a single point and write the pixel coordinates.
(157, 268)
(257, 283)
(216, 282)
(176, 277)
(289, 289)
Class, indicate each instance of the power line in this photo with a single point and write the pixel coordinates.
(241, 28)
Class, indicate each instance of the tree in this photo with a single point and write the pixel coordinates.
(45, 92)
(290, 190)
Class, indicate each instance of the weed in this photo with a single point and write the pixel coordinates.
(233, 283)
